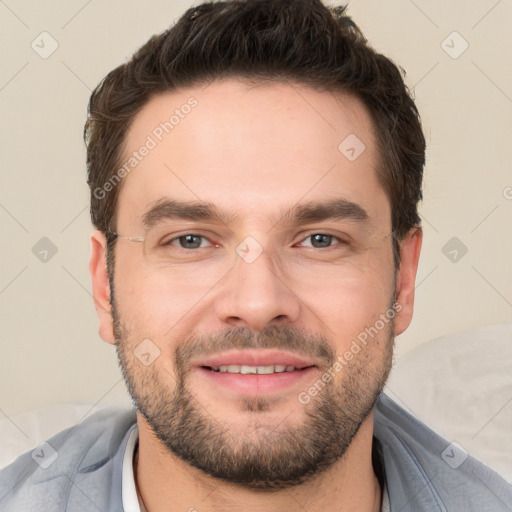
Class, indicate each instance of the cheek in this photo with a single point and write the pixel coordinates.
(353, 303)
(154, 304)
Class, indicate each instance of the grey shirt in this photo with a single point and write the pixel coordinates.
(80, 469)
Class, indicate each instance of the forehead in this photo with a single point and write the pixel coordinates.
(250, 149)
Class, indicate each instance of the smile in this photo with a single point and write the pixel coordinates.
(260, 370)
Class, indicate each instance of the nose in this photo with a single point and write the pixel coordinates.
(257, 294)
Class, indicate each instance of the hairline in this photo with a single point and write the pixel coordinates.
(381, 168)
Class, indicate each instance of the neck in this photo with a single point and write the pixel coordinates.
(168, 484)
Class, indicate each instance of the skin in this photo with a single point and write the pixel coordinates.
(253, 150)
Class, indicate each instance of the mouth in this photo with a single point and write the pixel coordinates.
(256, 361)
(256, 372)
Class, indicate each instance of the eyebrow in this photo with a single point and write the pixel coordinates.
(169, 209)
(334, 209)
(314, 211)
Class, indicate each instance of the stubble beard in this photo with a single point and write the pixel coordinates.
(265, 455)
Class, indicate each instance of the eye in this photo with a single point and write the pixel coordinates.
(189, 241)
(321, 240)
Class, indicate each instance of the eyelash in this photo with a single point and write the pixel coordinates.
(334, 237)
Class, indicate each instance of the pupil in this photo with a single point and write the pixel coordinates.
(320, 240)
(190, 241)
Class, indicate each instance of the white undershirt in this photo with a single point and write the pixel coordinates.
(129, 493)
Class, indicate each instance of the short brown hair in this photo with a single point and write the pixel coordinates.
(264, 40)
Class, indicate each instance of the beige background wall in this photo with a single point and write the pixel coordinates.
(50, 350)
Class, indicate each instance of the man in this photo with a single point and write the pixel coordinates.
(255, 173)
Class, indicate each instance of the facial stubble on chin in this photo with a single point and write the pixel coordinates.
(264, 456)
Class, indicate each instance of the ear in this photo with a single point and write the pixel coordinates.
(406, 278)
(101, 286)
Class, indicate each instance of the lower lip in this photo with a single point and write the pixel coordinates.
(256, 384)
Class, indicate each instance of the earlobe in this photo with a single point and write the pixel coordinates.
(101, 286)
(406, 278)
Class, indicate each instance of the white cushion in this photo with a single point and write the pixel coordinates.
(461, 386)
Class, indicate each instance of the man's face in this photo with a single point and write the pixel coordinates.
(275, 281)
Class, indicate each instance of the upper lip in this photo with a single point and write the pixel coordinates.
(255, 358)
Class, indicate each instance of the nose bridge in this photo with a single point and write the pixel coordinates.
(255, 292)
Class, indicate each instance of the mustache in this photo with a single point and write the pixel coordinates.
(290, 339)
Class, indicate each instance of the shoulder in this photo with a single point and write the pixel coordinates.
(48, 477)
(424, 471)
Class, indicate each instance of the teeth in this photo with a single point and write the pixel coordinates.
(260, 370)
